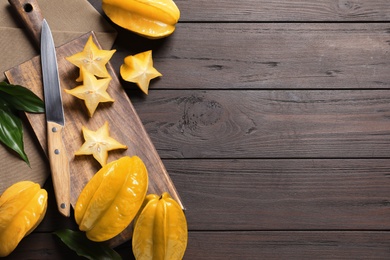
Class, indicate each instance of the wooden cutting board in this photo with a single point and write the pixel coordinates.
(125, 125)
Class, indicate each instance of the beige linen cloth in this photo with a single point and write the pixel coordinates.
(68, 19)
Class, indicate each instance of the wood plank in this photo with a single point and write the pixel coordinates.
(267, 56)
(267, 124)
(243, 245)
(273, 194)
(285, 194)
(288, 245)
(278, 10)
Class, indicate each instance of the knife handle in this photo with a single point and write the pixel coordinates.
(59, 165)
(31, 15)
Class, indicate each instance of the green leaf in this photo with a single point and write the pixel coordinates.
(78, 242)
(11, 132)
(21, 98)
(15, 98)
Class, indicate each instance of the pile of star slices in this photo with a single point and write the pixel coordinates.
(95, 80)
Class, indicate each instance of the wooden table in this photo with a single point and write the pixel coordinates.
(273, 120)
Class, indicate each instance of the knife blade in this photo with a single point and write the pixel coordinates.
(55, 120)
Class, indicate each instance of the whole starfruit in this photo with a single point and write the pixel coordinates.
(22, 207)
(150, 18)
(160, 230)
(112, 198)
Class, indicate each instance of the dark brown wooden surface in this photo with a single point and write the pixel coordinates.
(273, 121)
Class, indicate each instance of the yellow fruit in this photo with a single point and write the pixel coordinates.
(92, 59)
(22, 207)
(139, 69)
(112, 198)
(93, 91)
(150, 18)
(160, 231)
(98, 143)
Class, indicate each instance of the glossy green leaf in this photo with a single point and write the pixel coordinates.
(21, 98)
(15, 98)
(11, 131)
(78, 242)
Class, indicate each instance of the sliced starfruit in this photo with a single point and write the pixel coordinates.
(139, 69)
(22, 207)
(160, 231)
(93, 91)
(92, 59)
(99, 143)
(111, 199)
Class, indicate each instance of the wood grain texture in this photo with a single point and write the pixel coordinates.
(284, 194)
(288, 245)
(279, 10)
(125, 125)
(244, 56)
(268, 124)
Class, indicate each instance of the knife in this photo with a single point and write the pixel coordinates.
(55, 120)
(31, 15)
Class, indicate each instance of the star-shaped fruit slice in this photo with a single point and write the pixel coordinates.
(93, 59)
(139, 69)
(99, 143)
(93, 91)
